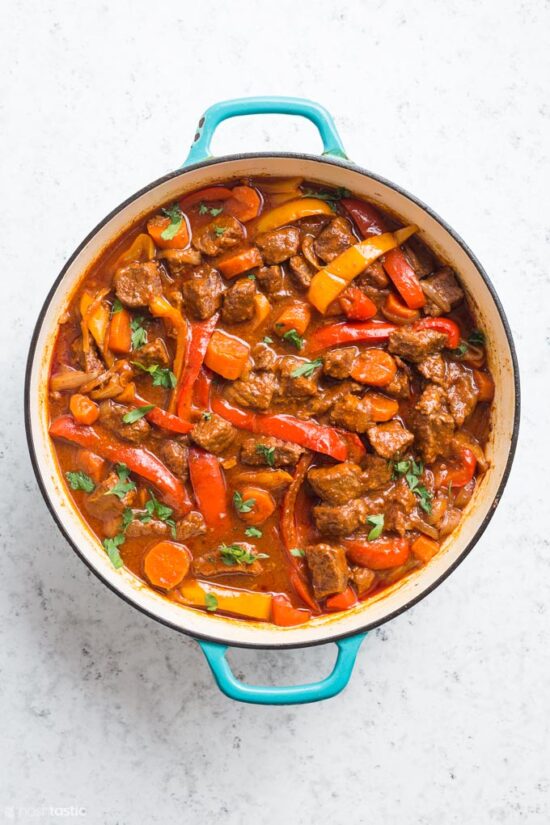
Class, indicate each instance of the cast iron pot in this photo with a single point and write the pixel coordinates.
(215, 633)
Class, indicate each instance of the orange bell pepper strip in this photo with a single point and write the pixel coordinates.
(137, 459)
(356, 305)
(226, 354)
(445, 325)
(342, 601)
(214, 597)
(347, 333)
(327, 284)
(141, 249)
(380, 554)
(208, 482)
(201, 333)
(292, 211)
(284, 614)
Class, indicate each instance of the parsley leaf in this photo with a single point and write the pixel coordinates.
(412, 470)
(293, 338)
(237, 554)
(137, 413)
(210, 602)
(162, 376)
(253, 533)
(176, 219)
(80, 481)
(462, 349)
(267, 452)
(124, 484)
(377, 524)
(155, 509)
(210, 210)
(111, 548)
(425, 498)
(331, 197)
(139, 333)
(116, 306)
(297, 552)
(307, 369)
(206, 416)
(477, 338)
(251, 277)
(219, 231)
(267, 340)
(127, 518)
(242, 506)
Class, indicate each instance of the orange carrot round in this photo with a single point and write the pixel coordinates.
(166, 564)
(375, 367)
(84, 410)
(120, 332)
(382, 408)
(262, 508)
(158, 225)
(244, 204)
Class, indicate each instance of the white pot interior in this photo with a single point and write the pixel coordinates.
(377, 609)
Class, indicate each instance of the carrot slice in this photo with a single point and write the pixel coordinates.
(84, 410)
(284, 614)
(375, 367)
(263, 505)
(211, 193)
(235, 263)
(120, 332)
(226, 355)
(380, 554)
(92, 464)
(244, 204)
(295, 316)
(158, 225)
(424, 548)
(382, 408)
(167, 564)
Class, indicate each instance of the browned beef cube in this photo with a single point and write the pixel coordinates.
(389, 440)
(296, 386)
(341, 519)
(268, 451)
(238, 302)
(110, 417)
(442, 291)
(136, 283)
(178, 261)
(222, 233)
(377, 472)
(202, 292)
(191, 526)
(138, 529)
(462, 392)
(325, 400)
(399, 386)
(264, 357)
(175, 455)
(256, 390)
(271, 279)
(432, 424)
(434, 368)
(301, 271)
(214, 563)
(373, 276)
(400, 504)
(102, 504)
(377, 296)
(419, 257)
(363, 579)
(279, 245)
(89, 361)
(156, 352)
(416, 344)
(352, 413)
(329, 569)
(214, 434)
(334, 240)
(338, 363)
(313, 224)
(338, 483)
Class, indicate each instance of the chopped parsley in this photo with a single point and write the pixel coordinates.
(412, 470)
(127, 518)
(162, 376)
(267, 340)
(253, 533)
(219, 231)
(210, 210)
(116, 306)
(293, 338)
(297, 552)
(461, 350)
(477, 338)
(266, 452)
(111, 548)
(80, 481)
(331, 197)
(206, 416)
(251, 277)
(377, 524)
(233, 554)
(176, 219)
(307, 369)
(241, 505)
(155, 509)
(139, 333)
(134, 415)
(124, 484)
(210, 602)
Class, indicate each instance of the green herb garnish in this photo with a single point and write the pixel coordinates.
(297, 552)
(162, 376)
(251, 277)
(461, 350)
(116, 306)
(377, 524)
(155, 509)
(242, 506)
(176, 219)
(206, 416)
(134, 415)
(111, 548)
(424, 498)
(220, 230)
(210, 210)
(127, 518)
(80, 481)
(307, 369)
(293, 338)
(233, 554)
(253, 533)
(412, 470)
(124, 484)
(267, 340)
(267, 452)
(324, 195)
(477, 338)
(139, 333)
(210, 602)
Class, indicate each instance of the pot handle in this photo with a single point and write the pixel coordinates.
(286, 695)
(214, 115)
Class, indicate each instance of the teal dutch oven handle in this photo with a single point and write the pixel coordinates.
(347, 648)
(200, 150)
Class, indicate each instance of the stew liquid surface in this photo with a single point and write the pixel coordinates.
(270, 400)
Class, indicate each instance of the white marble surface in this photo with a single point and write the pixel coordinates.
(446, 718)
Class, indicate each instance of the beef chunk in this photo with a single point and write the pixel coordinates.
(399, 386)
(301, 271)
(352, 413)
(156, 352)
(256, 390)
(416, 344)
(400, 504)
(333, 240)
(376, 295)
(373, 276)
(434, 368)
(390, 439)
(329, 569)
(337, 484)
(202, 292)
(178, 261)
(442, 291)
(90, 361)
(279, 245)
(313, 224)
(338, 363)
(222, 233)
(136, 283)
(271, 279)
(339, 520)
(462, 392)
(419, 257)
(264, 357)
(103, 505)
(140, 529)
(238, 302)
(433, 424)
(377, 472)
(296, 386)
(214, 563)
(191, 526)
(110, 417)
(268, 451)
(325, 400)
(363, 579)
(175, 455)
(213, 434)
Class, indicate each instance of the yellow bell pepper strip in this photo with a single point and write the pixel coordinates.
(214, 597)
(161, 308)
(292, 211)
(142, 249)
(329, 282)
(95, 318)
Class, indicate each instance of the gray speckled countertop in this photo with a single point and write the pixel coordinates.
(445, 721)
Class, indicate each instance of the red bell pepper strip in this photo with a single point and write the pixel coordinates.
(289, 535)
(342, 601)
(462, 475)
(201, 333)
(318, 437)
(138, 460)
(211, 193)
(208, 484)
(445, 325)
(201, 395)
(356, 305)
(346, 333)
(370, 221)
(162, 418)
(284, 614)
(380, 554)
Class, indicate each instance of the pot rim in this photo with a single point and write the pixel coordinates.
(330, 161)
